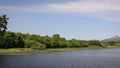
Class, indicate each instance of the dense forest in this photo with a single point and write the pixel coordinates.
(18, 40)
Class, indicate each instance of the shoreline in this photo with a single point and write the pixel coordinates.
(29, 51)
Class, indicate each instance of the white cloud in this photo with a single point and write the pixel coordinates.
(86, 6)
(71, 6)
(97, 8)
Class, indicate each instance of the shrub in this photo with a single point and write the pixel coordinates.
(83, 44)
(95, 43)
(38, 46)
(29, 43)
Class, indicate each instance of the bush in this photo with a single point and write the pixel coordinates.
(38, 46)
(95, 43)
(112, 43)
(83, 44)
(29, 43)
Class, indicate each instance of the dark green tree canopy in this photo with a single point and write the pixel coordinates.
(56, 37)
(3, 27)
(3, 23)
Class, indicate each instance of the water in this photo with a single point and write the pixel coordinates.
(103, 58)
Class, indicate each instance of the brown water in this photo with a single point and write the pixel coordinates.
(103, 58)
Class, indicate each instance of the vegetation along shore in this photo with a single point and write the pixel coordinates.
(16, 42)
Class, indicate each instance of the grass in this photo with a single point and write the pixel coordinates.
(15, 51)
(113, 46)
(27, 51)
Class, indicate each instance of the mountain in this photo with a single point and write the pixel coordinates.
(115, 38)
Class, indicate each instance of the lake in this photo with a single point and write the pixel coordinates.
(101, 58)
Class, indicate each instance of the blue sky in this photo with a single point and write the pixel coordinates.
(79, 19)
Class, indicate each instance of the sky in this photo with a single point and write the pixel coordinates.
(79, 19)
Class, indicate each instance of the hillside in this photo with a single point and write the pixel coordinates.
(115, 38)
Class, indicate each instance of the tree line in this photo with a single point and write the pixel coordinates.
(19, 40)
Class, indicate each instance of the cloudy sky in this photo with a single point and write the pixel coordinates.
(80, 19)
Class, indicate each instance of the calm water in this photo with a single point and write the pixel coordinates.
(103, 58)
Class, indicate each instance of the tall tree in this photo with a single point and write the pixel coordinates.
(3, 26)
(56, 37)
(55, 40)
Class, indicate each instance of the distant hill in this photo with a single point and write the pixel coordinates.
(115, 38)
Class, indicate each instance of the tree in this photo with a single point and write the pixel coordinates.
(38, 46)
(47, 42)
(111, 43)
(3, 23)
(83, 44)
(62, 43)
(55, 41)
(8, 40)
(19, 42)
(95, 42)
(3, 27)
(56, 37)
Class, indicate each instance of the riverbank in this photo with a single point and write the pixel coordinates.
(27, 51)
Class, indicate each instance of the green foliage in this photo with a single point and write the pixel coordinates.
(3, 23)
(111, 43)
(95, 43)
(29, 43)
(47, 41)
(3, 28)
(38, 46)
(83, 44)
(62, 44)
(54, 44)
(77, 43)
(19, 40)
(11, 40)
(56, 37)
